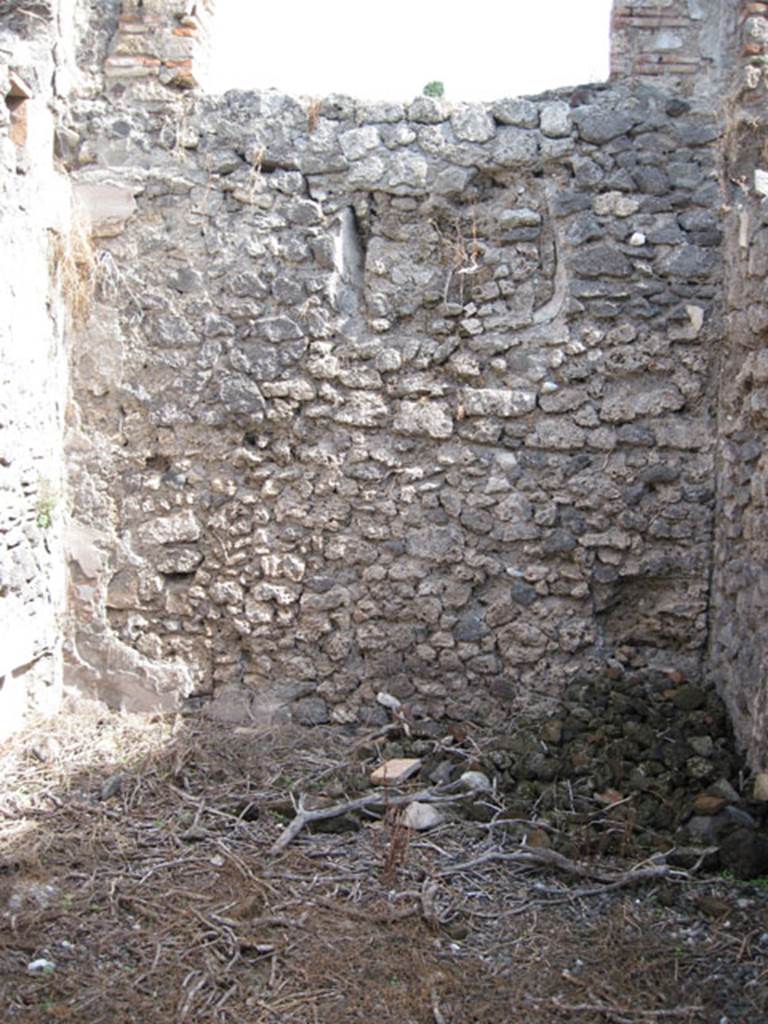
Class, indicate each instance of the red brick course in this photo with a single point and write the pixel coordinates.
(659, 41)
(172, 45)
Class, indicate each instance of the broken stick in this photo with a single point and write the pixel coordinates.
(304, 817)
(551, 859)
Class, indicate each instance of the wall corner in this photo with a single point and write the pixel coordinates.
(161, 48)
(677, 42)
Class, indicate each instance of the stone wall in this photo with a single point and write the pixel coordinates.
(33, 233)
(381, 398)
(159, 46)
(434, 399)
(739, 645)
(679, 41)
(49, 50)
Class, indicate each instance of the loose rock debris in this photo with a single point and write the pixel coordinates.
(174, 898)
(395, 771)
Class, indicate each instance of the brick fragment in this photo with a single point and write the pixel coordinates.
(136, 60)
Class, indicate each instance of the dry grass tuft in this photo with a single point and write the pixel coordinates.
(73, 268)
(313, 114)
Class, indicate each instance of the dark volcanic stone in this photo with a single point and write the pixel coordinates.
(474, 810)
(688, 698)
(696, 133)
(638, 436)
(571, 201)
(470, 628)
(651, 180)
(523, 593)
(602, 125)
(584, 229)
(336, 826)
(689, 261)
(676, 108)
(745, 853)
(558, 542)
(602, 260)
(311, 711)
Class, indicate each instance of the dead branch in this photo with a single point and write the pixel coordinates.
(551, 859)
(435, 1002)
(428, 904)
(622, 1013)
(371, 802)
(386, 917)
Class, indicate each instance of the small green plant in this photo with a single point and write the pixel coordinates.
(434, 89)
(761, 882)
(46, 503)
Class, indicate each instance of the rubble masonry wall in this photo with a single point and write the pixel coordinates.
(452, 401)
(417, 399)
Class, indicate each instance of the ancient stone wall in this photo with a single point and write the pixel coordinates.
(433, 399)
(159, 46)
(382, 398)
(33, 246)
(739, 644)
(49, 50)
(679, 41)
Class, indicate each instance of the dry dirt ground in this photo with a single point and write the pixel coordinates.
(135, 864)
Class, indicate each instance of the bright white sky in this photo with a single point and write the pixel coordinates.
(480, 49)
